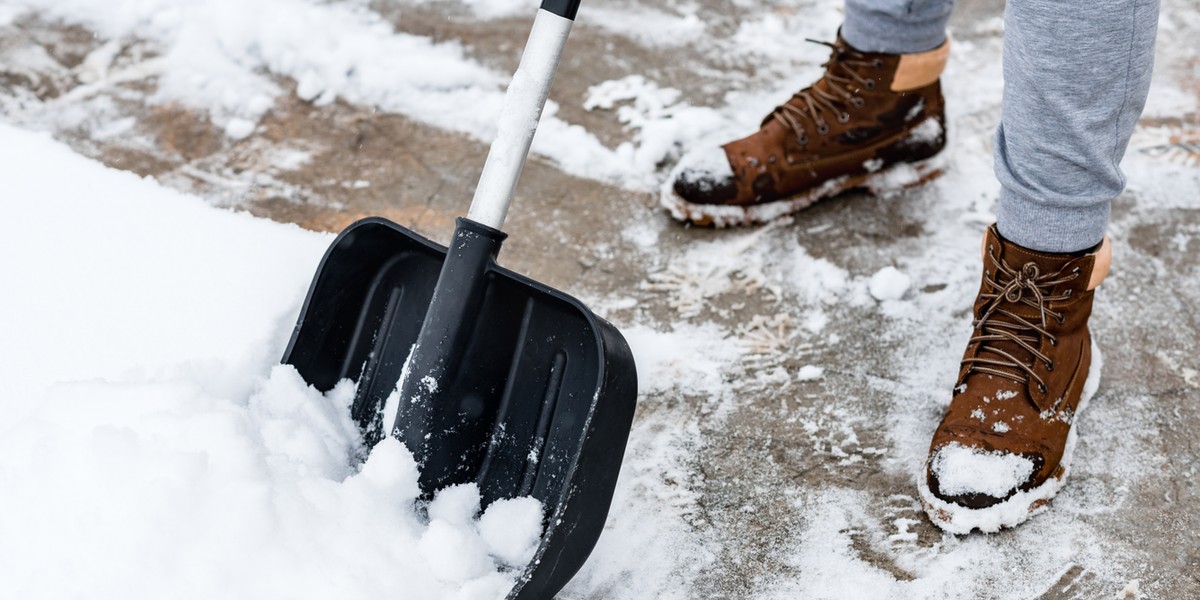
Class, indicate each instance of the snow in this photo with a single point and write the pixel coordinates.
(143, 323)
(150, 438)
(810, 373)
(704, 168)
(511, 529)
(238, 128)
(889, 283)
(961, 470)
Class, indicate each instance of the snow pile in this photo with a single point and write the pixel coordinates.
(150, 438)
(961, 470)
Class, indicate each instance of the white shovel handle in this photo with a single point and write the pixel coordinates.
(520, 112)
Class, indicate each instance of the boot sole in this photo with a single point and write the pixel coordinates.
(893, 179)
(961, 520)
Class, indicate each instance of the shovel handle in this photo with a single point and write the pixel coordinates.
(520, 112)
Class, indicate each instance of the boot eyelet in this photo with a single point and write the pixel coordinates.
(1049, 366)
(844, 118)
(870, 84)
(879, 63)
(823, 128)
(1062, 319)
(1042, 388)
(858, 102)
(1067, 294)
(802, 140)
(1054, 342)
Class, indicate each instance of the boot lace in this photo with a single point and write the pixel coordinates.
(810, 103)
(1009, 289)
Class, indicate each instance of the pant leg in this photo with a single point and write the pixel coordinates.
(896, 26)
(1076, 76)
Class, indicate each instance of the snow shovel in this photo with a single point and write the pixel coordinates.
(497, 379)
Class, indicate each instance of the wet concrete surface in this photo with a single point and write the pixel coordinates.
(752, 461)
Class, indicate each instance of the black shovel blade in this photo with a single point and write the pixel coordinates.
(540, 405)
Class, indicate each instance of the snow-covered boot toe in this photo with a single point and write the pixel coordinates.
(705, 176)
(872, 121)
(1004, 448)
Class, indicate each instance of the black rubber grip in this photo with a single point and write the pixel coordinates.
(562, 8)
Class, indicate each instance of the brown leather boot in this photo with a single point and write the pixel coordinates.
(1004, 447)
(870, 122)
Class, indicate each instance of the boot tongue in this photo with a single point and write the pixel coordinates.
(1030, 263)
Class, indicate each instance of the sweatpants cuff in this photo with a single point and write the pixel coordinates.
(1047, 228)
(876, 31)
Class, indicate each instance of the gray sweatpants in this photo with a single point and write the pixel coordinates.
(1076, 76)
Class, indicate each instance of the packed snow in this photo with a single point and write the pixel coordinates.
(889, 283)
(961, 470)
(704, 168)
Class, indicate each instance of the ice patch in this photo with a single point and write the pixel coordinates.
(961, 470)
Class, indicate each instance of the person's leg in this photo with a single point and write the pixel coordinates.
(871, 121)
(1076, 76)
(896, 26)
(1076, 79)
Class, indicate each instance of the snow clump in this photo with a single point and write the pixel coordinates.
(703, 168)
(889, 283)
(961, 470)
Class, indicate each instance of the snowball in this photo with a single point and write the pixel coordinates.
(810, 372)
(454, 552)
(511, 529)
(889, 283)
(961, 470)
(456, 504)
